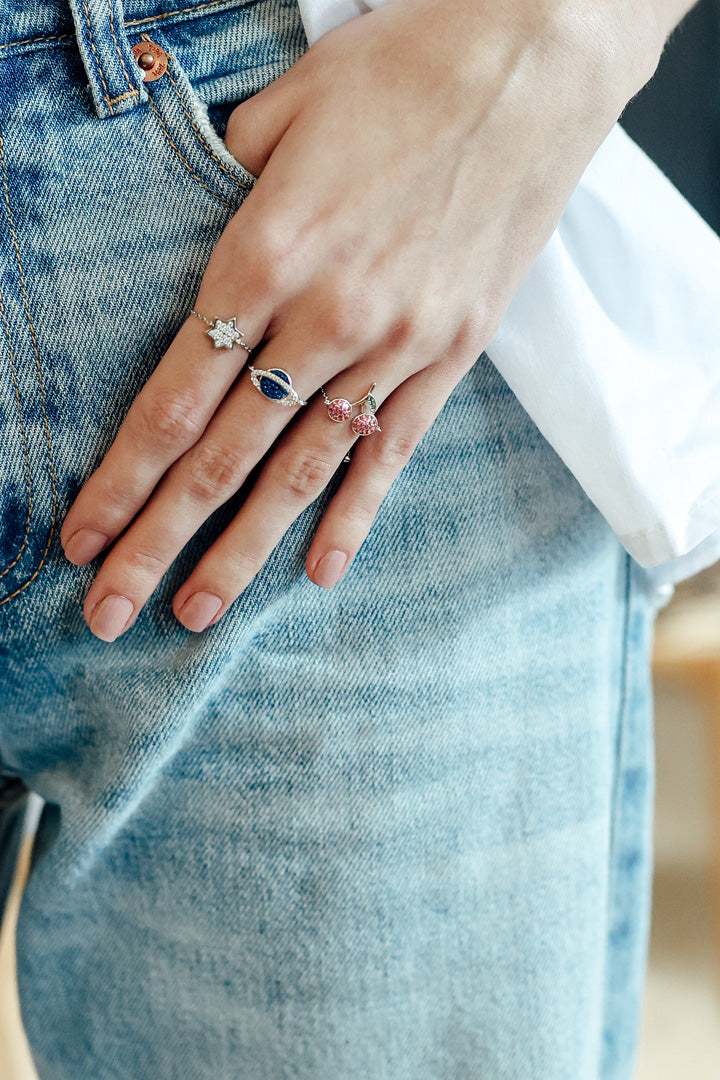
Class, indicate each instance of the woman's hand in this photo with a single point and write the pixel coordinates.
(412, 165)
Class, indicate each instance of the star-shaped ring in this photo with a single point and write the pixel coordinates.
(224, 333)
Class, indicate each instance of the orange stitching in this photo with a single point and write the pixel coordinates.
(128, 93)
(40, 381)
(29, 40)
(187, 166)
(28, 475)
(199, 134)
(130, 22)
(178, 11)
(122, 62)
(97, 58)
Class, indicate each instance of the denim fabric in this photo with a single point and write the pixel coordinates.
(399, 830)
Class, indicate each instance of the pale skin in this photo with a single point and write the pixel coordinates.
(411, 167)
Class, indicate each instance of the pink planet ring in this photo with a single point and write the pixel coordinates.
(340, 410)
(365, 424)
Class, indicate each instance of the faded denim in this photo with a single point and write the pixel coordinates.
(395, 831)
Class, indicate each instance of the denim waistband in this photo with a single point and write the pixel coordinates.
(100, 29)
(23, 23)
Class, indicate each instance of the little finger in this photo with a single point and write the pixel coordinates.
(375, 464)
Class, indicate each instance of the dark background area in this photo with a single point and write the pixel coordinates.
(676, 117)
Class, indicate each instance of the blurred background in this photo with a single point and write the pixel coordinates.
(676, 119)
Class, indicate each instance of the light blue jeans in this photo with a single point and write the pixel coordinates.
(395, 831)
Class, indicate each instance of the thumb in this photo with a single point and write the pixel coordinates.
(256, 126)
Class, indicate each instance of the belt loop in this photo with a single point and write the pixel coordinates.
(115, 79)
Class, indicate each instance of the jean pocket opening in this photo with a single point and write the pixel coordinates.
(187, 125)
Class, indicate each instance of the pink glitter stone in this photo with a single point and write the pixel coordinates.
(364, 424)
(339, 409)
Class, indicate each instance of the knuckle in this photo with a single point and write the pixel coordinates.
(272, 239)
(270, 250)
(213, 471)
(393, 451)
(305, 476)
(172, 417)
(360, 515)
(241, 565)
(236, 129)
(268, 276)
(344, 320)
(118, 495)
(480, 326)
(148, 563)
(404, 332)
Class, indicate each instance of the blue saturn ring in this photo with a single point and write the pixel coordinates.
(276, 385)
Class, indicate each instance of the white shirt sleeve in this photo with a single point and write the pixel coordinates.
(612, 345)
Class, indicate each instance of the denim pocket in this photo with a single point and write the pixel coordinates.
(185, 124)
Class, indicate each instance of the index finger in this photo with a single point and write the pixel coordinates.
(174, 407)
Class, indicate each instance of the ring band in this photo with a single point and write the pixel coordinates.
(276, 385)
(224, 332)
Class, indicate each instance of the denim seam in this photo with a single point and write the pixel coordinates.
(196, 129)
(623, 699)
(128, 80)
(28, 474)
(97, 58)
(38, 365)
(178, 11)
(149, 20)
(185, 163)
(30, 40)
(120, 97)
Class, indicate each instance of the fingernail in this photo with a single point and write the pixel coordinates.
(199, 611)
(330, 568)
(110, 617)
(84, 545)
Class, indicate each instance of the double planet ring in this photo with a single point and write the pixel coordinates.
(340, 410)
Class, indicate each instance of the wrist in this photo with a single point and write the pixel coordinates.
(611, 46)
(616, 43)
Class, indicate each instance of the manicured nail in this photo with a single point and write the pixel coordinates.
(330, 568)
(198, 612)
(84, 545)
(110, 617)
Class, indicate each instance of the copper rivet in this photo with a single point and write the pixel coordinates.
(151, 59)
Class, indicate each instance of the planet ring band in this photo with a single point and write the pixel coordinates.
(224, 332)
(276, 385)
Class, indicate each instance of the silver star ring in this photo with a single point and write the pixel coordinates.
(224, 333)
